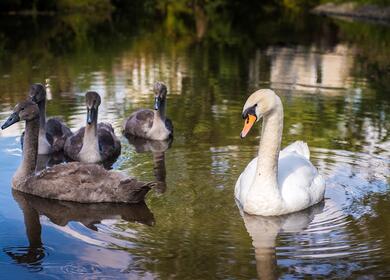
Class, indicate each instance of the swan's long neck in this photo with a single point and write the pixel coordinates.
(269, 148)
(90, 150)
(30, 151)
(160, 113)
(42, 117)
(90, 134)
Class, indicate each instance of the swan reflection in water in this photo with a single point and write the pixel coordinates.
(63, 212)
(264, 232)
(157, 148)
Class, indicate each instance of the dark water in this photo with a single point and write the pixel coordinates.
(333, 78)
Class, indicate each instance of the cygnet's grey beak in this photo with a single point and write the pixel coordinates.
(157, 103)
(90, 115)
(11, 120)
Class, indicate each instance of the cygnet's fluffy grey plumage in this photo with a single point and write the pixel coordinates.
(151, 124)
(74, 181)
(96, 142)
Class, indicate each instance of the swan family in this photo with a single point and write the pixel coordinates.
(276, 182)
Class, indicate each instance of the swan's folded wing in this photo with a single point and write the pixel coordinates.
(169, 125)
(136, 190)
(245, 180)
(139, 122)
(300, 183)
(105, 126)
(85, 183)
(109, 144)
(74, 144)
(299, 147)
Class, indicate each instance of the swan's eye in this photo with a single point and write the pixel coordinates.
(22, 109)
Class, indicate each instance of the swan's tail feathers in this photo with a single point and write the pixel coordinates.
(318, 189)
(136, 190)
(299, 147)
(106, 126)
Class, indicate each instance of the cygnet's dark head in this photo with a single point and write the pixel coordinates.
(37, 93)
(23, 111)
(92, 101)
(160, 94)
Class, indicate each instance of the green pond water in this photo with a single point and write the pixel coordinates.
(333, 79)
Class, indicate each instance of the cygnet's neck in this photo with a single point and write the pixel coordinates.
(160, 113)
(42, 117)
(90, 134)
(90, 131)
(30, 151)
(90, 150)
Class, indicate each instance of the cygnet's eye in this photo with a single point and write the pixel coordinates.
(22, 109)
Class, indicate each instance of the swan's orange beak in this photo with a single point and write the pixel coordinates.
(249, 121)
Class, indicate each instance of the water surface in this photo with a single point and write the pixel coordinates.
(332, 77)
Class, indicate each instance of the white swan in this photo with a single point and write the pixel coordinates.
(276, 182)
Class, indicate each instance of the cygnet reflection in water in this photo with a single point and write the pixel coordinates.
(264, 231)
(63, 212)
(157, 148)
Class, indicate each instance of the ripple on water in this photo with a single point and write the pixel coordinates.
(81, 268)
(338, 235)
(31, 257)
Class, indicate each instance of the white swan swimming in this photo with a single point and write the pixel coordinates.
(276, 182)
